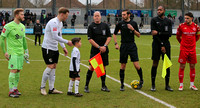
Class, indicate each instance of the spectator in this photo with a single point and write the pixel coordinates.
(7, 15)
(1, 19)
(132, 16)
(146, 18)
(86, 17)
(120, 17)
(116, 18)
(72, 23)
(37, 30)
(196, 21)
(74, 16)
(173, 21)
(64, 24)
(85, 25)
(180, 19)
(34, 18)
(169, 16)
(142, 18)
(108, 18)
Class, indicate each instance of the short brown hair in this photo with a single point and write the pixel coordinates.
(75, 40)
(17, 11)
(63, 10)
(189, 14)
(128, 12)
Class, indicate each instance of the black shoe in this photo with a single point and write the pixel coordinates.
(140, 85)
(122, 88)
(86, 90)
(153, 88)
(13, 94)
(168, 88)
(105, 89)
(78, 95)
(70, 93)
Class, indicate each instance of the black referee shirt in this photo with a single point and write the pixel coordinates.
(163, 26)
(99, 33)
(127, 36)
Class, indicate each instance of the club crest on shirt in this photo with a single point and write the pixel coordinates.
(194, 29)
(94, 27)
(185, 28)
(58, 33)
(54, 29)
(21, 29)
(11, 65)
(181, 60)
(50, 60)
(4, 30)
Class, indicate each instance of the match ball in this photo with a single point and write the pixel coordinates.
(135, 84)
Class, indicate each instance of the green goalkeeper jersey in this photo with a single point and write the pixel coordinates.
(15, 38)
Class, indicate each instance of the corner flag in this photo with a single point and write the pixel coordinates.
(166, 64)
(97, 64)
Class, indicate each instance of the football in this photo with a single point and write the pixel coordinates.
(134, 84)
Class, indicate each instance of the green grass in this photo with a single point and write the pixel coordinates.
(31, 75)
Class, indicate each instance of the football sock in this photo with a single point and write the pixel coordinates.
(52, 79)
(45, 76)
(191, 83)
(71, 83)
(121, 74)
(140, 74)
(153, 74)
(181, 84)
(192, 75)
(88, 77)
(17, 75)
(11, 81)
(181, 75)
(167, 77)
(76, 86)
(103, 79)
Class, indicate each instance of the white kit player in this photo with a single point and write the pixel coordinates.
(53, 35)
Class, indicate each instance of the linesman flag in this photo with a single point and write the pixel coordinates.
(166, 64)
(97, 64)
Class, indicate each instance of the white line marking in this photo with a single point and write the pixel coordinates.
(139, 91)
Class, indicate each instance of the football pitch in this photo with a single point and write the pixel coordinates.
(30, 80)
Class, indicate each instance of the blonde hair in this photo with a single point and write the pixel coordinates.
(17, 11)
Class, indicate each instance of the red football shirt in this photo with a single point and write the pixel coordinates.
(187, 35)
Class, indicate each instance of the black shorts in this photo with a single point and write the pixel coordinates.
(50, 56)
(73, 74)
(128, 49)
(156, 50)
(95, 51)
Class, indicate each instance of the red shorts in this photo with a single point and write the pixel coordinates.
(186, 56)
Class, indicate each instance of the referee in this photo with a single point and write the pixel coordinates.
(99, 37)
(128, 29)
(161, 29)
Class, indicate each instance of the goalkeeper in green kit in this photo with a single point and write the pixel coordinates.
(14, 33)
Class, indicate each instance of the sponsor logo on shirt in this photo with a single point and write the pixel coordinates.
(194, 29)
(18, 37)
(54, 29)
(4, 30)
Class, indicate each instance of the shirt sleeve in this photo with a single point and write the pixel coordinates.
(117, 28)
(198, 33)
(54, 31)
(89, 32)
(136, 27)
(179, 34)
(153, 25)
(5, 31)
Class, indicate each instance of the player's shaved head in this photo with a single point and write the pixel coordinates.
(97, 17)
(97, 13)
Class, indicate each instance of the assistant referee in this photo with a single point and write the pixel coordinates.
(99, 37)
(161, 28)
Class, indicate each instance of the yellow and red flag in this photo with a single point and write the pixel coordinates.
(97, 64)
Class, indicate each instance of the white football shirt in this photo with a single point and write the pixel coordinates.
(53, 35)
(75, 53)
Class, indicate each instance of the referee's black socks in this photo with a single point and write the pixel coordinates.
(103, 79)
(88, 77)
(140, 74)
(121, 74)
(167, 77)
(153, 74)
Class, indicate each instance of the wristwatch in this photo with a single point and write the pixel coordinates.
(105, 45)
(98, 47)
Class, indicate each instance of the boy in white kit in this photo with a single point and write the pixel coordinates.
(74, 68)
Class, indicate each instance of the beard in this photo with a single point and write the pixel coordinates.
(161, 15)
